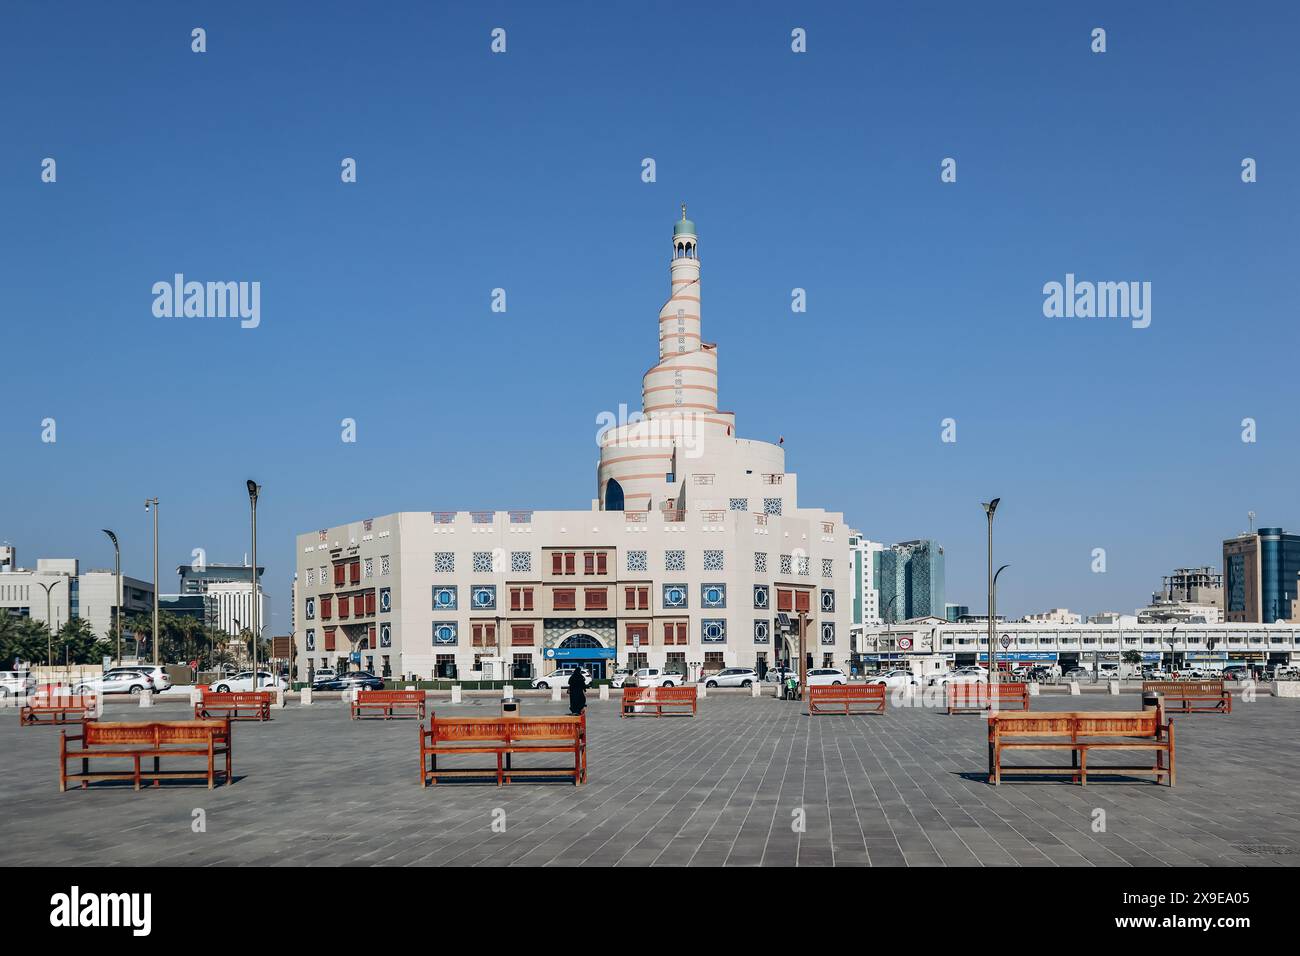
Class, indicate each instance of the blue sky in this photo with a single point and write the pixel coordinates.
(522, 171)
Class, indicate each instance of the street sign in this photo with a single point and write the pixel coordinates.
(905, 643)
(1005, 640)
(636, 641)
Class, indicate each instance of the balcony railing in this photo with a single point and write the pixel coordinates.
(521, 517)
(772, 479)
(713, 517)
(703, 479)
(443, 517)
(828, 527)
(482, 517)
(674, 515)
(634, 517)
(760, 519)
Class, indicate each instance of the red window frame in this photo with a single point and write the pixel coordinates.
(565, 599)
(521, 635)
(326, 608)
(595, 599)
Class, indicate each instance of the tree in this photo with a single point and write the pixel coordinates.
(77, 643)
(22, 639)
(1131, 657)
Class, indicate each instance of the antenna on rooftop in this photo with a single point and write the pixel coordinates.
(1250, 516)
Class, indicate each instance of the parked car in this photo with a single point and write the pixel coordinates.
(352, 680)
(732, 677)
(17, 684)
(118, 680)
(157, 674)
(619, 677)
(896, 678)
(322, 674)
(825, 676)
(559, 678)
(779, 674)
(1078, 674)
(655, 677)
(243, 681)
(962, 675)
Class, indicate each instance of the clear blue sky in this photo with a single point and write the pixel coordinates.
(523, 171)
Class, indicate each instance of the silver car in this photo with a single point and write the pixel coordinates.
(732, 677)
(119, 680)
(17, 684)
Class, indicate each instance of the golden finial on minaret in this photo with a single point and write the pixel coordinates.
(683, 212)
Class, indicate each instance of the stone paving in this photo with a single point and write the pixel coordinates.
(903, 789)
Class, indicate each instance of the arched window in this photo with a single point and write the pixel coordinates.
(613, 496)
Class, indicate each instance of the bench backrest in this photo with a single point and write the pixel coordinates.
(505, 729)
(1175, 688)
(847, 692)
(971, 690)
(1142, 723)
(665, 695)
(156, 732)
(85, 701)
(390, 696)
(249, 698)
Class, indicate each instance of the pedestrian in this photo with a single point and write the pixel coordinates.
(577, 692)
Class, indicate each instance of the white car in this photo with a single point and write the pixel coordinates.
(826, 676)
(655, 677)
(731, 677)
(896, 678)
(157, 674)
(559, 678)
(17, 684)
(243, 681)
(322, 673)
(119, 680)
(963, 675)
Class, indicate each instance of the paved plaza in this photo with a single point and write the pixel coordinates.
(725, 788)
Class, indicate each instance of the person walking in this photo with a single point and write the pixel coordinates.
(577, 691)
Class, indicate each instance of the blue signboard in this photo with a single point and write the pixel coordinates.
(1020, 656)
(580, 653)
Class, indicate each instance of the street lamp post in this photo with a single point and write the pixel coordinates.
(253, 489)
(989, 508)
(49, 623)
(803, 654)
(993, 611)
(117, 573)
(147, 503)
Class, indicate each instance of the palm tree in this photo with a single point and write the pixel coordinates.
(80, 644)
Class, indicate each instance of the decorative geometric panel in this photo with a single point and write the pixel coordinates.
(444, 562)
(636, 561)
(828, 600)
(713, 560)
(675, 595)
(762, 632)
(311, 576)
(385, 635)
(772, 506)
(760, 562)
(310, 610)
(713, 631)
(484, 597)
(761, 597)
(521, 561)
(384, 565)
(311, 634)
(444, 633)
(828, 567)
(444, 598)
(713, 595)
(369, 569)
(737, 504)
(787, 564)
(801, 562)
(385, 600)
(828, 633)
(482, 562)
(674, 560)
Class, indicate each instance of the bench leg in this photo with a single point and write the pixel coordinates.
(137, 771)
(501, 778)
(1083, 767)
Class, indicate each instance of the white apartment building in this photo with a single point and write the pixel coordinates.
(1057, 615)
(57, 589)
(230, 604)
(695, 542)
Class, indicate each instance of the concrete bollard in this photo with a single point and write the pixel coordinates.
(1112, 686)
(507, 691)
(304, 695)
(1033, 688)
(1286, 688)
(555, 691)
(146, 697)
(754, 689)
(408, 686)
(702, 693)
(604, 688)
(280, 699)
(196, 694)
(455, 688)
(1074, 688)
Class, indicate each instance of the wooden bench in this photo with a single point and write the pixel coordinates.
(657, 698)
(1192, 696)
(387, 702)
(236, 705)
(58, 709)
(830, 698)
(135, 741)
(975, 696)
(1080, 733)
(503, 737)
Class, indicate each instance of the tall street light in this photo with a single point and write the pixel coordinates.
(993, 613)
(989, 508)
(49, 622)
(148, 502)
(117, 572)
(253, 489)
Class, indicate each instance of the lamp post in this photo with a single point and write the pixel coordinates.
(49, 623)
(117, 573)
(253, 489)
(803, 654)
(993, 611)
(989, 508)
(147, 503)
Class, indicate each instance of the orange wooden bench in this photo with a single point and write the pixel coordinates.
(388, 702)
(1081, 733)
(870, 698)
(503, 737)
(1192, 696)
(236, 705)
(136, 741)
(657, 698)
(58, 709)
(974, 696)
